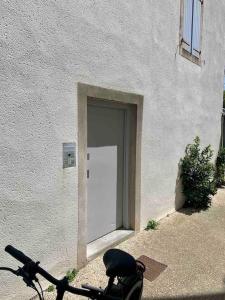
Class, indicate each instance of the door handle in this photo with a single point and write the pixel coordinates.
(88, 173)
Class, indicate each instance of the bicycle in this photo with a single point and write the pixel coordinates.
(120, 266)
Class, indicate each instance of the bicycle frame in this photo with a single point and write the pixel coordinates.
(132, 283)
(62, 285)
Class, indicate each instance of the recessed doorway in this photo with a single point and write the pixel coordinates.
(109, 150)
(109, 133)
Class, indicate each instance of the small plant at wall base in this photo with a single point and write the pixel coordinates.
(152, 224)
(71, 275)
(50, 288)
(197, 174)
(220, 168)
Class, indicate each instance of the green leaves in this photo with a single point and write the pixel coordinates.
(71, 275)
(152, 224)
(220, 168)
(50, 288)
(197, 173)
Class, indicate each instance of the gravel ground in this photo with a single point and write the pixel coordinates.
(192, 245)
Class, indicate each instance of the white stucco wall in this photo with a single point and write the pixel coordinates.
(46, 47)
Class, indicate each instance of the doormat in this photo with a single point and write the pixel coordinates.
(153, 268)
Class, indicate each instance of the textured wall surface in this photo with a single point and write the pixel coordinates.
(46, 47)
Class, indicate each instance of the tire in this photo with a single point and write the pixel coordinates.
(136, 291)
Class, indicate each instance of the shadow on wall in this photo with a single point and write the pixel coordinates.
(179, 196)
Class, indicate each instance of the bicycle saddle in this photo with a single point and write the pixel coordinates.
(119, 263)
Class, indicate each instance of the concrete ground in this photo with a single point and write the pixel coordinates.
(192, 245)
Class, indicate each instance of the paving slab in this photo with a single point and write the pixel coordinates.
(191, 244)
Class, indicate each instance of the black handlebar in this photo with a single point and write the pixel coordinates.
(20, 256)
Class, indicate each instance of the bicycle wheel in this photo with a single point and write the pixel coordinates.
(136, 291)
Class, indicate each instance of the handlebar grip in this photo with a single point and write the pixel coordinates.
(18, 254)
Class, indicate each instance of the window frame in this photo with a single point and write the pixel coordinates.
(183, 52)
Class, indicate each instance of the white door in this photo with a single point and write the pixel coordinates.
(105, 182)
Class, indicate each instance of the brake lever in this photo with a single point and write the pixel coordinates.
(26, 278)
(28, 273)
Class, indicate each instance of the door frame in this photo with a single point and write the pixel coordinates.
(87, 92)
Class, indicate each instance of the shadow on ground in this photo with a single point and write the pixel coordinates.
(216, 296)
(179, 196)
(180, 199)
(189, 211)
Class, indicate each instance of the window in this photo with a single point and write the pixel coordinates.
(190, 29)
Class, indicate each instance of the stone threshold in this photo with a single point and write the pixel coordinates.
(107, 241)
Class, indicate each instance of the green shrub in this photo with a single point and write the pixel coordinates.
(197, 173)
(220, 168)
(71, 275)
(152, 224)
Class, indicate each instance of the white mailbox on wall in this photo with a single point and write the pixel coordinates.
(69, 157)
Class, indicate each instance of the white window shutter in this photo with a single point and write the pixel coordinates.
(187, 25)
(196, 39)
